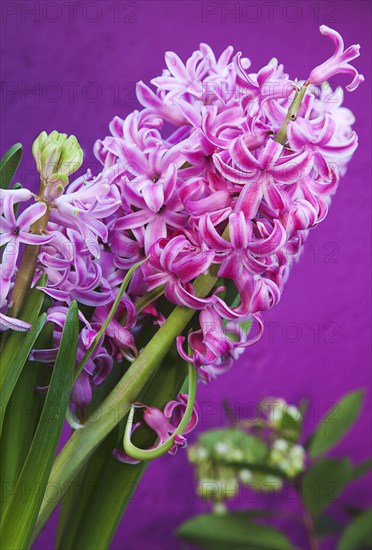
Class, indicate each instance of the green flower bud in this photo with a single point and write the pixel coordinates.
(56, 154)
(72, 156)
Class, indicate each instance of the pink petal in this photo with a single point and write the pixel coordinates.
(31, 215)
(156, 229)
(13, 324)
(175, 66)
(250, 198)
(153, 194)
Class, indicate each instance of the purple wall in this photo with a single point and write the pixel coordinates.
(72, 66)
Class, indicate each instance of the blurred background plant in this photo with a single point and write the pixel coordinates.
(270, 454)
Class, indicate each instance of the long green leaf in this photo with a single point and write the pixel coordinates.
(324, 482)
(9, 164)
(13, 364)
(84, 490)
(21, 513)
(21, 418)
(361, 469)
(336, 423)
(358, 534)
(18, 345)
(233, 530)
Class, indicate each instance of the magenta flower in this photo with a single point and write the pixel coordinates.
(338, 63)
(269, 83)
(304, 135)
(214, 347)
(121, 339)
(174, 263)
(178, 78)
(11, 323)
(261, 177)
(246, 248)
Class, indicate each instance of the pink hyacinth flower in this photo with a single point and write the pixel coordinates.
(338, 62)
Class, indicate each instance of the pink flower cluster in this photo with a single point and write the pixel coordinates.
(194, 181)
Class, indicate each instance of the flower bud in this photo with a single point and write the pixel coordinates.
(56, 154)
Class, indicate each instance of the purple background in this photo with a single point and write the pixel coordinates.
(74, 68)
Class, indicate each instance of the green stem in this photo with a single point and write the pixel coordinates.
(281, 136)
(83, 442)
(149, 454)
(28, 264)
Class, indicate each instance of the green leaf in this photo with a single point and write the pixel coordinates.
(22, 510)
(324, 482)
(18, 345)
(83, 491)
(9, 164)
(358, 534)
(336, 423)
(14, 356)
(361, 469)
(22, 416)
(232, 530)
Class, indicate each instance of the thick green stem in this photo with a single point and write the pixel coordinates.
(83, 442)
(27, 268)
(281, 136)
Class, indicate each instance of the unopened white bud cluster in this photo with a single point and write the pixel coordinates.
(225, 465)
(287, 457)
